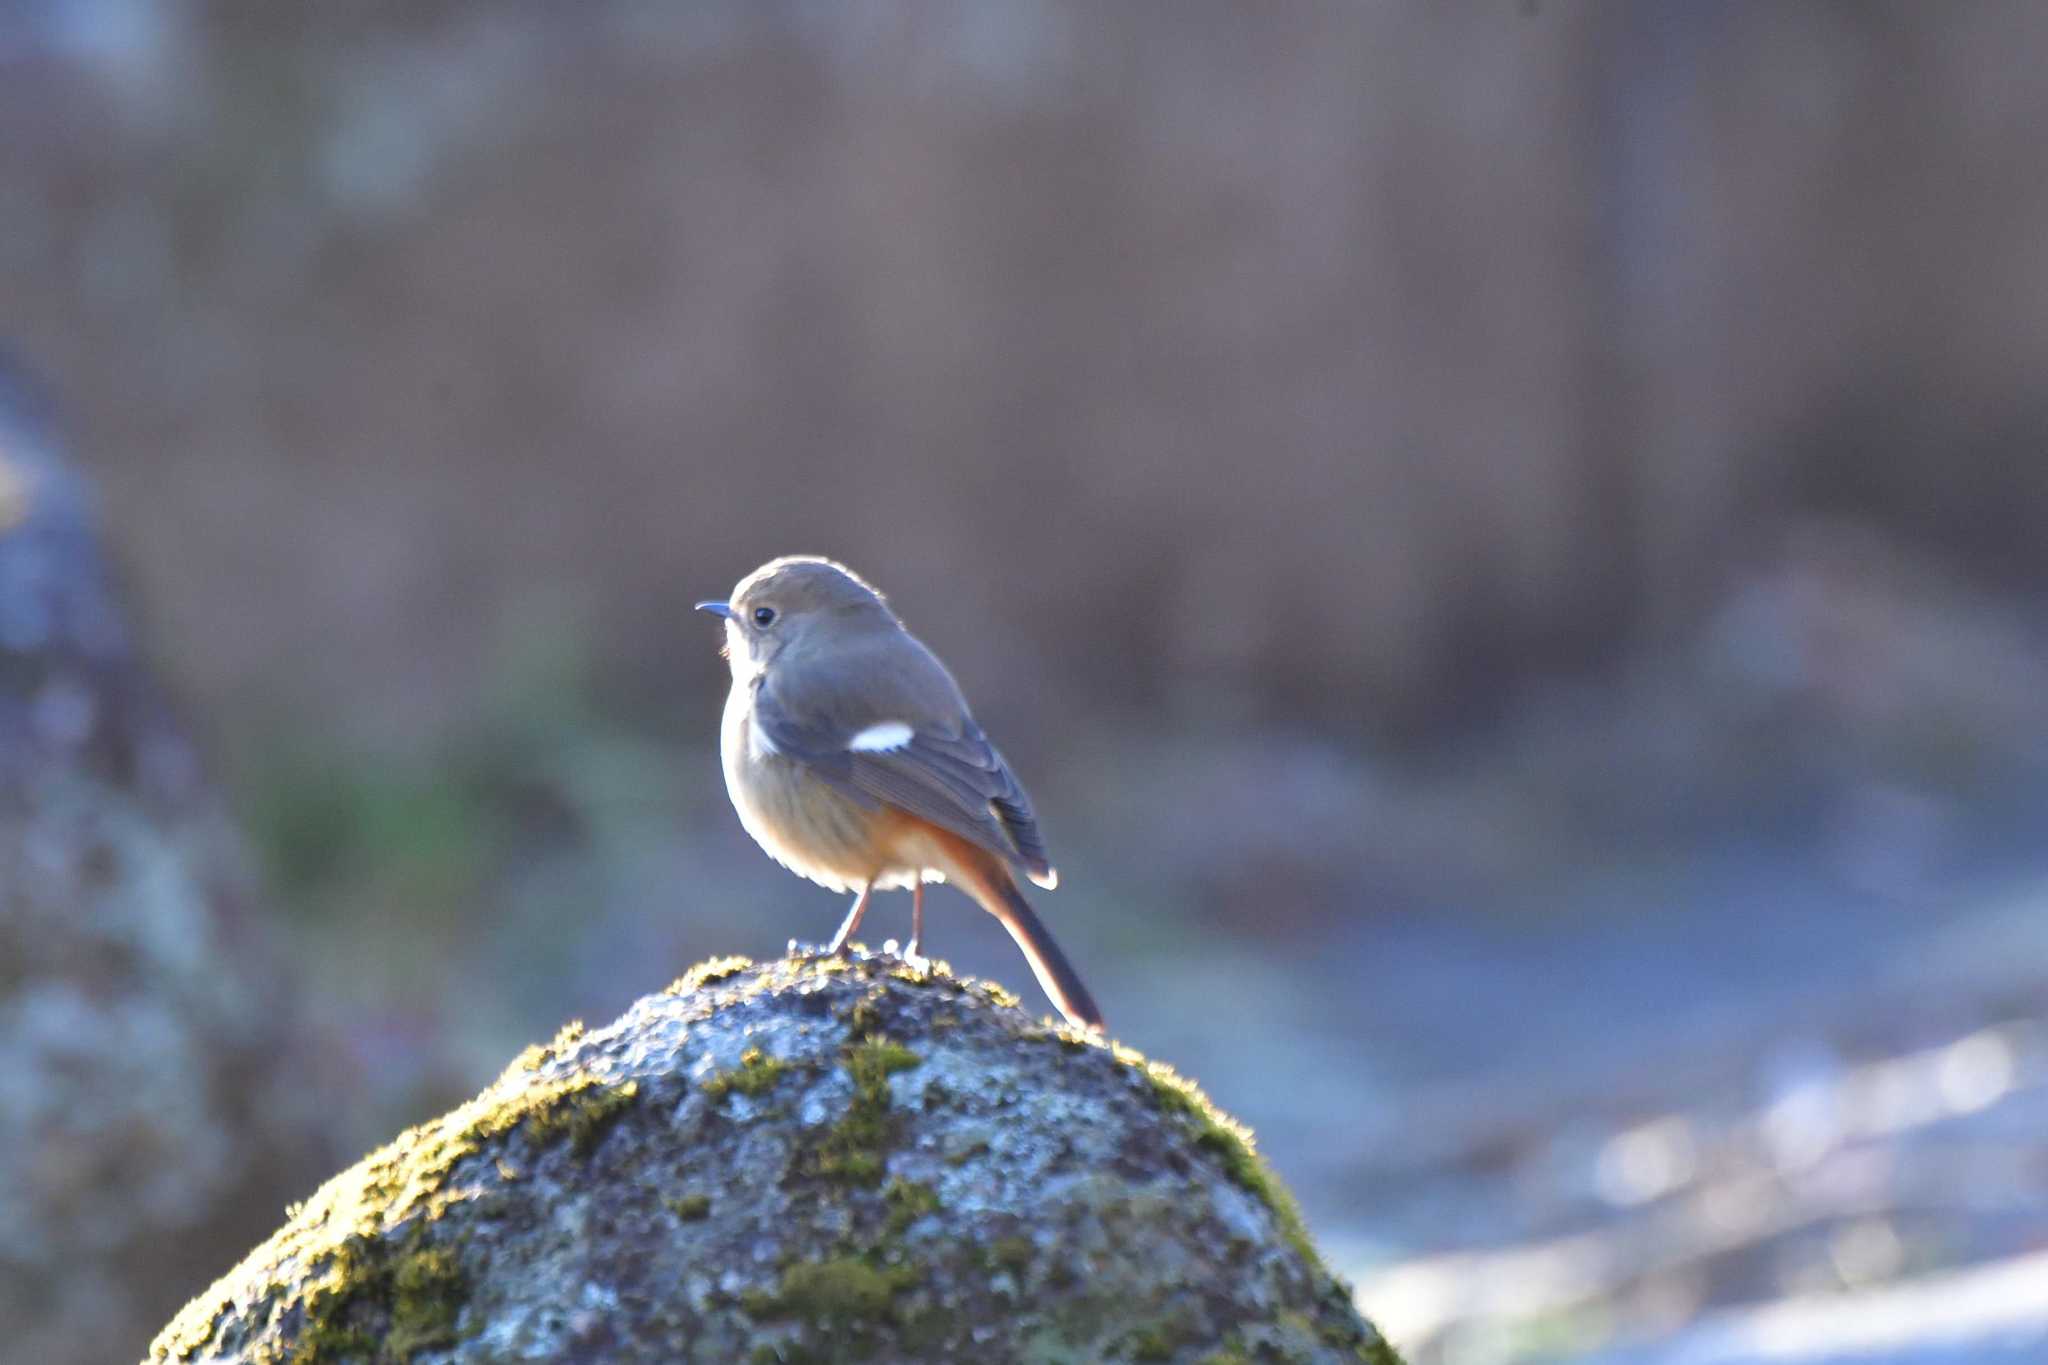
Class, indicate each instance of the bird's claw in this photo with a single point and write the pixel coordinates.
(908, 955)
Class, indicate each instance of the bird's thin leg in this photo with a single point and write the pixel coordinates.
(838, 946)
(913, 951)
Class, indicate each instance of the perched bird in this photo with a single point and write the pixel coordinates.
(853, 760)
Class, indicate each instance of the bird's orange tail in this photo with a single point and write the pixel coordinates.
(1056, 975)
(994, 887)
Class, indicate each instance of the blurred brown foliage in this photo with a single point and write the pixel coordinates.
(1335, 362)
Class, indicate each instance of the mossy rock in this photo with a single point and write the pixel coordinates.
(803, 1161)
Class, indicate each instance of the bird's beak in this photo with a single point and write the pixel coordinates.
(717, 608)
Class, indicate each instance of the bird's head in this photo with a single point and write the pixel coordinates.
(796, 602)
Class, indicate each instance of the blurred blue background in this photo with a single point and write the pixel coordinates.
(1507, 541)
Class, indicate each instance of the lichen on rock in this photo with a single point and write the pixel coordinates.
(806, 1160)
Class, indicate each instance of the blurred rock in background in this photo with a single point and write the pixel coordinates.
(147, 1025)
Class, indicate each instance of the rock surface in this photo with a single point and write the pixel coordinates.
(145, 1132)
(805, 1160)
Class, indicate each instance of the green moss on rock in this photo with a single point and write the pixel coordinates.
(368, 1288)
(691, 1208)
(383, 1302)
(855, 1149)
(707, 972)
(756, 1075)
(845, 1291)
(580, 1112)
(428, 1290)
(908, 1201)
(1157, 1342)
(1231, 1143)
(537, 1055)
(1012, 1254)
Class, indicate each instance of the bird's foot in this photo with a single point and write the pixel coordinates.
(798, 948)
(908, 955)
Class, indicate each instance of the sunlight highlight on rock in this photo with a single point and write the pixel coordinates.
(1976, 1072)
(1647, 1162)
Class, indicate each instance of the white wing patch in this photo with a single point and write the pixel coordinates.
(881, 737)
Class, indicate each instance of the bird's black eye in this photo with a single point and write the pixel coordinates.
(764, 616)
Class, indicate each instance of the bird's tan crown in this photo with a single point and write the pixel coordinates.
(805, 582)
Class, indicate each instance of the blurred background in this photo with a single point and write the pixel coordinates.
(1506, 539)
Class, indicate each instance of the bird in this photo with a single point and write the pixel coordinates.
(853, 760)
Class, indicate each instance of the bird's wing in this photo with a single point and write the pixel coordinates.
(905, 738)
